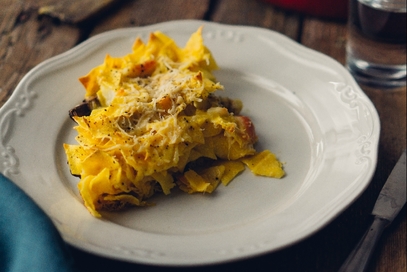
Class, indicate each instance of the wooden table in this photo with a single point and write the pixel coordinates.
(35, 30)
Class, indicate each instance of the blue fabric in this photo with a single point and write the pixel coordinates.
(28, 239)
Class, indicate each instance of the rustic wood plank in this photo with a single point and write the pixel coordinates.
(256, 13)
(391, 255)
(328, 37)
(26, 41)
(146, 12)
(74, 12)
(391, 105)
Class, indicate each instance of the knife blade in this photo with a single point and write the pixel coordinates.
(391, 200)
(393, 195)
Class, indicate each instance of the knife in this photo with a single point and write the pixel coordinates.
(389, 203)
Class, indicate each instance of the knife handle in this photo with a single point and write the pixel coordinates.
(360, 256)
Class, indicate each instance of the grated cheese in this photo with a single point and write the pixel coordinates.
(157, 114)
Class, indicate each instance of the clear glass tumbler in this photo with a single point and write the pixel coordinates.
(376, 47)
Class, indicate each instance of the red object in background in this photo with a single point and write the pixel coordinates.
(337, 9)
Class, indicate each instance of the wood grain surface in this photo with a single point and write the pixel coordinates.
(33, 31)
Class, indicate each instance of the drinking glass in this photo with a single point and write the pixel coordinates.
(376, 47)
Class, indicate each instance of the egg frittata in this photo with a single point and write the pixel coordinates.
(152, 122)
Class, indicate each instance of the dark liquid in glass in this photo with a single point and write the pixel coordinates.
(376, 48)
(387, 26)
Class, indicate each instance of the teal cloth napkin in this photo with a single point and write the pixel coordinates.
(28, 239)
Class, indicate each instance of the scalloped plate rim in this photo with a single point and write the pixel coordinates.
(10, 108)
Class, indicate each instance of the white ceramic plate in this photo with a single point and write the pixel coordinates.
(306, 108)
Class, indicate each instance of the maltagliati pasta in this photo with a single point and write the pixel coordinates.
(151, 121)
